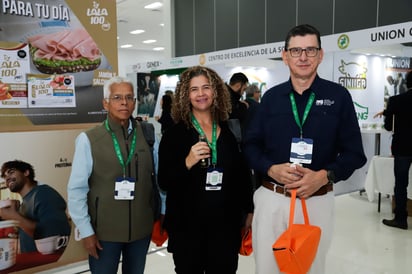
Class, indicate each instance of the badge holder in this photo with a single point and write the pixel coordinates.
(214, 178)
(124, 188)
(301, 150)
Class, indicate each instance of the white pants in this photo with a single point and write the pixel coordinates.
(271, 219)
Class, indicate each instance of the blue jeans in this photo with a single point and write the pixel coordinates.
(133, 257)
(401, 171)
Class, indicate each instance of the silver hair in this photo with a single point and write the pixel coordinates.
(115, 80)
(251, 89)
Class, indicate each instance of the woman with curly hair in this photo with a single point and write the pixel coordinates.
(206, 205)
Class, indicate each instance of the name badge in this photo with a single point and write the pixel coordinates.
(301, 150)
(214, 178)
(124, 188)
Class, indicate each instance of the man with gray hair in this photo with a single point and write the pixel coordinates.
(110, 187)
(252, 99)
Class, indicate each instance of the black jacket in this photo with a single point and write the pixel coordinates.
(188, 205)
(400, 107)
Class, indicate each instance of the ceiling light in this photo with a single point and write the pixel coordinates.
(153, 6)
(158, 48)
(150, 41)
(162, 24)
(137, 31)
(126, 46)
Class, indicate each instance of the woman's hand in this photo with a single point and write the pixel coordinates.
(200, 150)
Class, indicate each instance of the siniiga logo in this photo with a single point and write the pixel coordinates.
(353, 75)
(343, 41)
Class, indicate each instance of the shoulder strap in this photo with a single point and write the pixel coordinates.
(234, 126)
(149, 133)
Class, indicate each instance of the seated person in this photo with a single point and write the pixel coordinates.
(42, 212)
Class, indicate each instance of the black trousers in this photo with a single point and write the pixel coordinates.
(401, 170)
(213, 249)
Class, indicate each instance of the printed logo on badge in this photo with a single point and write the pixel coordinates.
(214, 178)
(301, 150)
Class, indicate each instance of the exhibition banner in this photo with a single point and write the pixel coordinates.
(15, 64)
(48, 91)
(385, 35)
(55, 39)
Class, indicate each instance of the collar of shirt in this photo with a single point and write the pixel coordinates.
(313, 87)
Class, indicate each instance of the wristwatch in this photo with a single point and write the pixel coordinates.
(331, 176)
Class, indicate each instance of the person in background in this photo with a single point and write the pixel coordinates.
(237, 85)
(398, 118)
(304, 136)
(169, 92)
(165, 118)
(252, 99)
(206, 205)
(42, 212)
(110, 191)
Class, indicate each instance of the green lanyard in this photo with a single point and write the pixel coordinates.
(211, 145)
(305, 114)
(117, 148)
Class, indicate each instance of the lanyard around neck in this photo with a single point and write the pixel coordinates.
(212, 145)
(305, 113)
(117, 147)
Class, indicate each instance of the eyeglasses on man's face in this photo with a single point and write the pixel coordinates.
(120, 99)
(310, 51)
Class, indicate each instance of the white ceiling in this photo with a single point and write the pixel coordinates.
(132, 15)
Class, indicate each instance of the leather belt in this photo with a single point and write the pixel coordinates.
(282, 190)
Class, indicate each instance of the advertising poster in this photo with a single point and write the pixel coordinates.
(395, 74)
(55, 38)
(15, 63)
(51, 91)
(147, 93)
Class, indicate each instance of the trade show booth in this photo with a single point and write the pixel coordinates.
(370, 63)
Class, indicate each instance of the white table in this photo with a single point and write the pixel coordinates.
(380, 178)
(377, 132)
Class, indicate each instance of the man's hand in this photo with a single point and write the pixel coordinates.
(92, 245)
(310, 181)
(379, 114)
(284, 173)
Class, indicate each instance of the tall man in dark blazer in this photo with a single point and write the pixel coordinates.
(398, 118)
